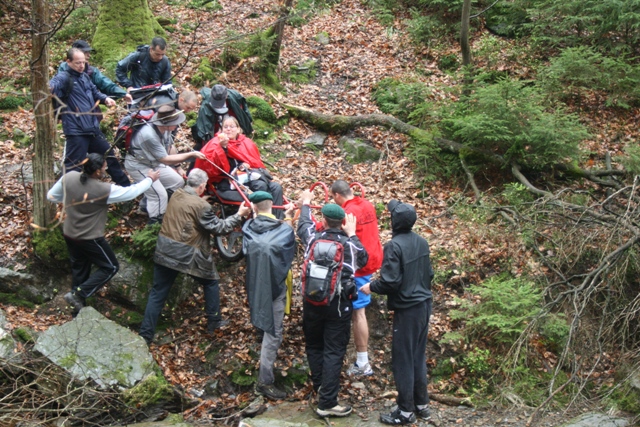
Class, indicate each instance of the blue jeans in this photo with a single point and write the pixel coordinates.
(163, 278)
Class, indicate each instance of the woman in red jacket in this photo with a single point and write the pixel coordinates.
(231, 151)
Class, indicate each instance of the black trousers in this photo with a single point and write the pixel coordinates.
(84, 254)
(408, 355)
(327, 331)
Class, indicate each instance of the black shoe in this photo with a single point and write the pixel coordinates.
(424, 414)
(216, 325)
(74, 301)
(396, 418)
(270, 391)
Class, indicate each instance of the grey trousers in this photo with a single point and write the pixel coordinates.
(271, 343)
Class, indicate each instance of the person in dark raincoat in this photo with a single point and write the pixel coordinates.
(269, 248)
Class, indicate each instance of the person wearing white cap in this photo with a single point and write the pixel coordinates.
(152, 148)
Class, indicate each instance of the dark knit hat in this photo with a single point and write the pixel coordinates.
(333, 211)
(83, 46)
(259, 196)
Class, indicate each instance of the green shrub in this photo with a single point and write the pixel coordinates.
(506, 305)
(204, 74)
(631, 161)
(516, 194)
(11, 102)
(80, 24)
(306, 9)
(555, 331)
(449, 62)
(511, 119)
(578, 71)
(408, 101)
(260, 109)
(144, 241)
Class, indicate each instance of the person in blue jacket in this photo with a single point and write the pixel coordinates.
(102, 82)
(78, 96)
(148, 65)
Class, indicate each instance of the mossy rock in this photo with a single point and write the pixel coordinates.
(204, 75)
(151, 390)
(25, 335)
(122, 26)
(304, 73)
(20, 138)
(263, 131)
(50, 247)
(358, 151)
(15, 300)
(260, 109)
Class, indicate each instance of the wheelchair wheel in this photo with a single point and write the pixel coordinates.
(230, 246)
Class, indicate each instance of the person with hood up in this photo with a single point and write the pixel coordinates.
(269, 247)
(405, 277)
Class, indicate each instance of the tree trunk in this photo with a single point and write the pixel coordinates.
(464, 43)
(43, 211)
(278, 30)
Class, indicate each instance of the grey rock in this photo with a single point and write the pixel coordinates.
(595, 419)
(31, 287)
(322, 38)
(316, 140)
(358, 151)
(7, 343)
(634, 380)
(94, 347)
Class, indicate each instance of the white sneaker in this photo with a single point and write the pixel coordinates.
(336, 411)
(356, 370)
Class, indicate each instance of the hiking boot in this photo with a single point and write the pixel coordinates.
(270, 391)
(336, 411)
(424, 413)
(74, 301)
(395, 418)
(356, 370)
(211, 327)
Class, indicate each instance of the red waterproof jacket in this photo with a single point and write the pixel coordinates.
(242, 149)
(367, 232)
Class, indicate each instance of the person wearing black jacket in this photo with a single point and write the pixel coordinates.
(148, 65)
(405, 277)
(327, 329)
(269, 247)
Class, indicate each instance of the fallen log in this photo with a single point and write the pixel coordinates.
(451, 400)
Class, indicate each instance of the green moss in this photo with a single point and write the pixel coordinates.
(49, 246)
(16, 300)
(295, 376)
(244, 376)
(144, 241)
(11, 102)
(125, 317)
(209, 5)
(122, 26)
(24, 335)
(260, 109)
(68, 361)
(303, 74)
(204, 75)
(262, 131)
(147, 392)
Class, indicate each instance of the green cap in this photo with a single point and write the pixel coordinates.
(259, 196)
(333, 211)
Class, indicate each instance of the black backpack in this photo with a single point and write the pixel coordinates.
(322, 270)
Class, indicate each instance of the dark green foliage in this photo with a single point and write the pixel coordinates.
(631, 161)
(507, 19)
(209, 5)
(577, 71)
(233, 50)
(11, 102)
(408, 101)
(260, 109)
(81, 24)
(13, 299)
(204, 75)
(506, 305)
(610, 25)
(244, 376)
(49, 246)
(511, 119)
(144, 241)
(449, 62)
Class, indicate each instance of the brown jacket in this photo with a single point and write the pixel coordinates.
(184, 239)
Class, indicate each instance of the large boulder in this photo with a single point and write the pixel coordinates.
(31, 287)
(595, 419)
(7, 343)
(358, 151)
(94, 347)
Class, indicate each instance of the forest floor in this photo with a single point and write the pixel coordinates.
(360, 53)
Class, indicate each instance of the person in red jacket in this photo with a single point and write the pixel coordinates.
(238, 156)
(367, 232)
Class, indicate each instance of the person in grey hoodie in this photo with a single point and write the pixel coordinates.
(269, 248)
(405, 277)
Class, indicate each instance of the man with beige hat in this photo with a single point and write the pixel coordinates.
(152, 148)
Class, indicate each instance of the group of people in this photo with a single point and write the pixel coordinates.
(228, 162)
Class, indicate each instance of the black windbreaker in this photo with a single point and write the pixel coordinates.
(406, 274)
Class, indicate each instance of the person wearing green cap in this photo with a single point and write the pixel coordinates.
(327, 329)
(269, 247)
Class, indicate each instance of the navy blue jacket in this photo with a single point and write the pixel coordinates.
(138, 70)
(102, 82)
(78, 117)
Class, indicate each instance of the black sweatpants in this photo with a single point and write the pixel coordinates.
(83, 254)
(327, 330)
(408, 355)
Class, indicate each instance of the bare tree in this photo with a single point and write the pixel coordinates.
(43, 212)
